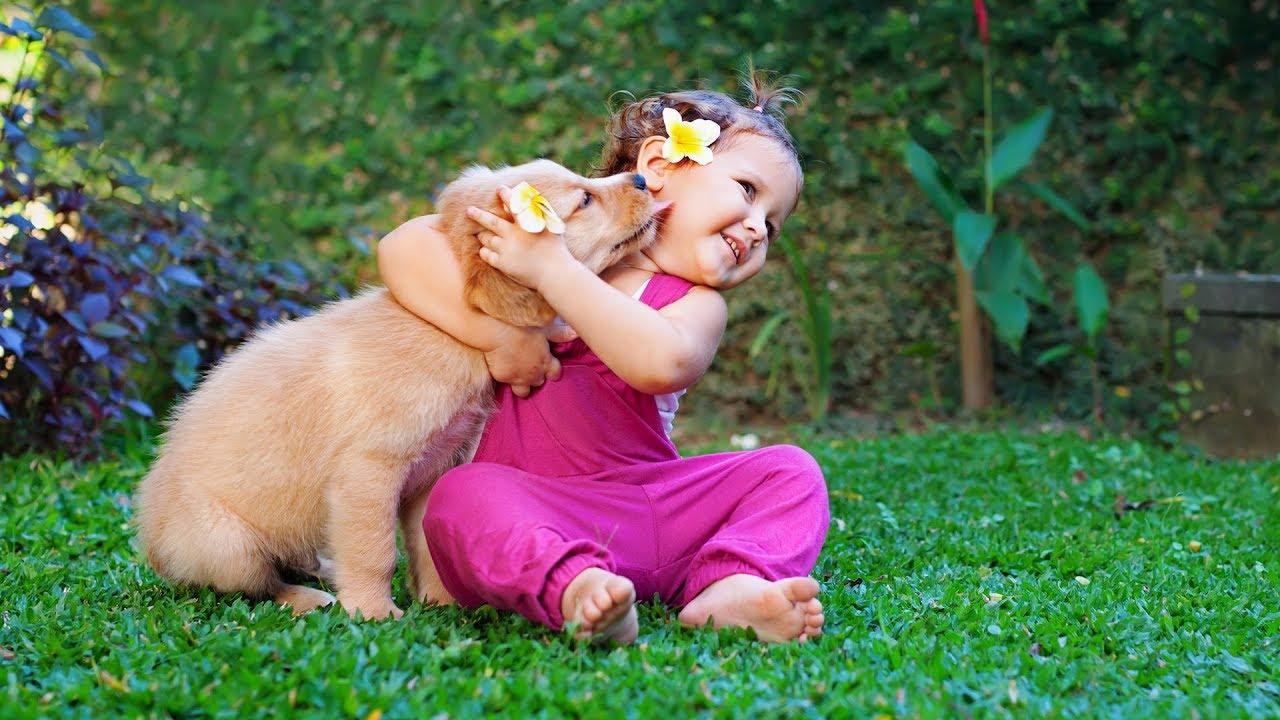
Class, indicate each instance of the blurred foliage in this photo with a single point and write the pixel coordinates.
(102, 285)
(314, 121)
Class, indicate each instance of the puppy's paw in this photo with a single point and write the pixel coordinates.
(427, 588)
(303, 599)
(371, 608)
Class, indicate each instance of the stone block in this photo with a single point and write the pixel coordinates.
(1235, 361)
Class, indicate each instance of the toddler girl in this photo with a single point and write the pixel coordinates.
(577, 502)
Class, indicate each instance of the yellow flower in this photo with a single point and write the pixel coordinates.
(691, 139)
(532, 211)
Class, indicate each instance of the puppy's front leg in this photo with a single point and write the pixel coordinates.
(424, 581)
(362, 535)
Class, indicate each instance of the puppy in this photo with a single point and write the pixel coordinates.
(316, 435)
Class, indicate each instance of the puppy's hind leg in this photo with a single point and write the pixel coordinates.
(227, 554)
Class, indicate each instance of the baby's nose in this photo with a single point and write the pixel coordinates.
(638, 181)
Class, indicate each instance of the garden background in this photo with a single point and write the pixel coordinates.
(300, 132)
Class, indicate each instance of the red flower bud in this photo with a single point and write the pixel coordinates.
(980, 9)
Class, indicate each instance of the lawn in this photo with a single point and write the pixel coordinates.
(977, 574)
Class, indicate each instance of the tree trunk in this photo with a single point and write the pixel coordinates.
(975, 345)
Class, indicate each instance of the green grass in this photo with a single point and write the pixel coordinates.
(1101, 615)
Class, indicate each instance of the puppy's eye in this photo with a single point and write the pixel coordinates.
(586, 200)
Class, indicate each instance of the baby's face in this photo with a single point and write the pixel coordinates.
(727, 212)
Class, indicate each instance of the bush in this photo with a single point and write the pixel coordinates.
(100, 283)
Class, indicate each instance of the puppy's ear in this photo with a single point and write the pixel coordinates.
(498, 296)
(485, 287)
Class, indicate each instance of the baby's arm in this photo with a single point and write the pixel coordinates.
(420, 269)
(654, 351)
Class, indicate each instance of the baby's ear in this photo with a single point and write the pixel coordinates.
(651, 164)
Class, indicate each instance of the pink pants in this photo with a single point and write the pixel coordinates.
(514, 540)
(581, 474)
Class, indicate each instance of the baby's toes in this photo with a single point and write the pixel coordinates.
(813, 625)
(591, 608)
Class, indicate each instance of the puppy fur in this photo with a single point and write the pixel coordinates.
(317, 435)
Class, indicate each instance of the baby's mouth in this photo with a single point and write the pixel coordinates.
(734, 248)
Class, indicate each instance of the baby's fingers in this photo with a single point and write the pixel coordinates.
(504, 195)
(561, 333)
(488, 220)
(490, 257)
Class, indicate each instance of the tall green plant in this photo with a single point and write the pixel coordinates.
(813, 364)
(1006, 277)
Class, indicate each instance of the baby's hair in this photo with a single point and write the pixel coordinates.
(767, 96)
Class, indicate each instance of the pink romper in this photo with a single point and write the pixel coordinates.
(582, 474)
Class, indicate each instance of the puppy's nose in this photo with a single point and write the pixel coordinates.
(638, 181)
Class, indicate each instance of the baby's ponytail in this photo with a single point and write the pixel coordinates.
(768, 93)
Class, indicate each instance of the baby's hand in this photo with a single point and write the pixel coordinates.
(525, 257)
(523, 360)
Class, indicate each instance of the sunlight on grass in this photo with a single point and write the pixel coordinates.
(964, 574)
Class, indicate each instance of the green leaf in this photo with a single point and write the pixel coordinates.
(1001, 266)
(1015, 150)
(1031, 281)
(972, 231)
(930, 178)
(1057, 202)
(766, 331)
(1091, 301)
(1056, 352)
(1010, 314)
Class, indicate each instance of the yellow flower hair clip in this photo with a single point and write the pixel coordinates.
(532, 211)
(688, 139)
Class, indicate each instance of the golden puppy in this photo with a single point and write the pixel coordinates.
(312, 438)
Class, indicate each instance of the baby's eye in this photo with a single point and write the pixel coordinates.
(586, 200)
(749, 188)
(771, 231)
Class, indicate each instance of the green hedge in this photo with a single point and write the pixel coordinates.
(319, 121)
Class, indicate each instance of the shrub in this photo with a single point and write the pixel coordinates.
(100, 283)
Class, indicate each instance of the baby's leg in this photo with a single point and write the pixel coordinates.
(755, 523)
(542, 547)
(778, 611)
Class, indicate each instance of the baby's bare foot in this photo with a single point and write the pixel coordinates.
(778, 611)
(603, 605)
